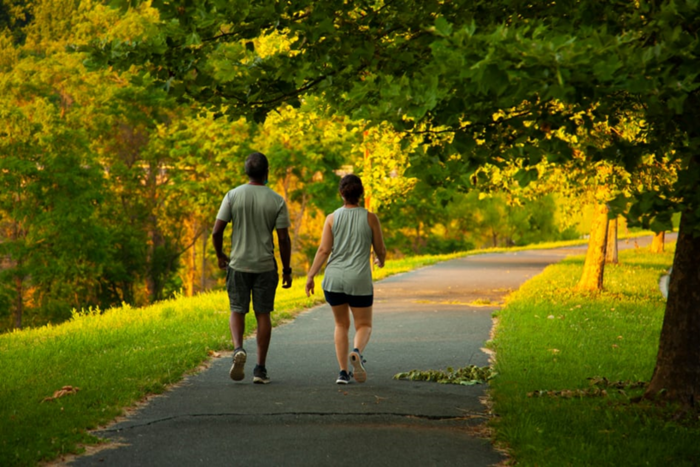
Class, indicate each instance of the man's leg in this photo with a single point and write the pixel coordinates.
(237, 285)
(237, 324)
(263, 336)
(263, 304)
(238, 290)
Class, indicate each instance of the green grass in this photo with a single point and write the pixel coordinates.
(116, 358)
(551, 338)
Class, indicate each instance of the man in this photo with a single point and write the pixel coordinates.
(254, 211)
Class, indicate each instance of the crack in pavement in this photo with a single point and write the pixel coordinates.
(467, 416)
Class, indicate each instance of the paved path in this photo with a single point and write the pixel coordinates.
(423, 320)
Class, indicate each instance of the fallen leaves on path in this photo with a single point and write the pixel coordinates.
(466, 376)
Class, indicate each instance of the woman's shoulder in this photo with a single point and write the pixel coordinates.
(372, 219)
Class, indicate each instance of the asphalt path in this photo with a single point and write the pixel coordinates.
(431, 318)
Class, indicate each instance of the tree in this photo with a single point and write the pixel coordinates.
(58, 232)
(579, 182)
(306, 148)
(457, 66)
(592, 278)
(611, 243)
(657, 244)
(205, 153)
(52, 243)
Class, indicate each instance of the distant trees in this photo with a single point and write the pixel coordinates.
(96, 190)
(154, 146)
(108, 185)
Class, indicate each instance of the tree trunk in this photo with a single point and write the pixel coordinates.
(156, 269)
(611, 248)
(203, 272)
(152, 277)
(657, 244)
(416, 241)
(19, 303)
(594, 267)
(677, 374)
(192, 260)
(299, 223)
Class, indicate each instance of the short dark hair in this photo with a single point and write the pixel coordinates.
(351, 188)
(256, 166)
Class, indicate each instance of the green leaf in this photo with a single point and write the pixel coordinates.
(442, 26)
(526, 176)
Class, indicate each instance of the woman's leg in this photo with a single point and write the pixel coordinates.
(342, 326)
(363, 329)
(363, 326)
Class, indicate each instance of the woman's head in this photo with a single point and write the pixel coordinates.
(351, 188)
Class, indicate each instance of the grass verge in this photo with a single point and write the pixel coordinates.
(551, 340)
(114, 359)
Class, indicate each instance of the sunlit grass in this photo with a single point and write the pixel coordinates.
(551, 338)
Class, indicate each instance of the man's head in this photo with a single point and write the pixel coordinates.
(256, 167)
(351, 188)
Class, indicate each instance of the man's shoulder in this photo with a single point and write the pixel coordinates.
(239, 188)
(233, 191)
(263, 194)
(272, 194)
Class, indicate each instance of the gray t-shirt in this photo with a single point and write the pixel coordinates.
(348, 269)
(255, 212)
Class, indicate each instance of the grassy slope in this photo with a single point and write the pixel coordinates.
(551, 338)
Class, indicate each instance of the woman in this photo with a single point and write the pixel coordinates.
(348, 236)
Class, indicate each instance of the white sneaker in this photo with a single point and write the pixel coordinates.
(358, 366)
(236, 372)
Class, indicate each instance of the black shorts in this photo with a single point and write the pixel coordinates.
(262, 285)
(355, 301)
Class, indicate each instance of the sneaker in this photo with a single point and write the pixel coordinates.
(236, 372)
(260, 375)
(357, 363)
(343, 377)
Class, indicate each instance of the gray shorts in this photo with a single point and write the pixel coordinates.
(262, 285)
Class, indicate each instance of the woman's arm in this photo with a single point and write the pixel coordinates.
(322, 254)
(377, 240)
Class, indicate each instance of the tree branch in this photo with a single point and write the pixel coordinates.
(281, 97)
(471, 125)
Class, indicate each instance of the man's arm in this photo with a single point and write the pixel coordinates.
(286, 255)
(217, 238)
